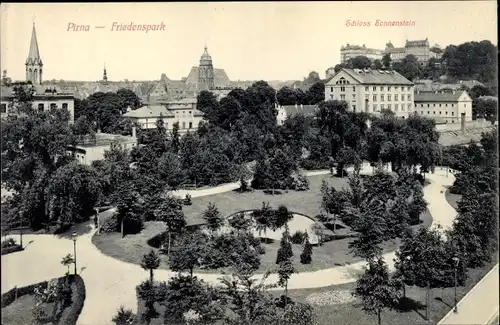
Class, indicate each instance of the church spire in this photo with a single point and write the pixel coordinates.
(104, 75)
(34, 62)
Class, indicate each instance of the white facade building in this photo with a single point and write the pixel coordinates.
(447, 105)
(371, 91)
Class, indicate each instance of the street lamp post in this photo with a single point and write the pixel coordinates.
(456, 260)
(21, 228)
(74, 249)
(408, 258)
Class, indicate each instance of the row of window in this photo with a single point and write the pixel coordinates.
(434, 112)
(367, 88)
(389, 97)
(41, 107)
(190, 125)
(434, 105)
(390, 107)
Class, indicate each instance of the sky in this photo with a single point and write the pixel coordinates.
(250, 41)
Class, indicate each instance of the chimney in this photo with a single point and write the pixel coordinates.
(462, 122)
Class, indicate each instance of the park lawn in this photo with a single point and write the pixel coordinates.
(131, 248)
(20, 312)
(452, 199)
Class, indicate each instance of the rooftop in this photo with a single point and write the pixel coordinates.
(375, 77)
(293, 110)
(104, 139)
(417, 43)
(437, 96)
(149, 111)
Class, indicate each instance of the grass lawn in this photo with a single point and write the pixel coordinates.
(329, 254)
(452, 199)
(20, 312)
(412, 313)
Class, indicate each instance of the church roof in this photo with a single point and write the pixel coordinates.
(34, 53)
(205, 56)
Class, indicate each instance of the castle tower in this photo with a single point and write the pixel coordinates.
(104, 76)
(205, 72)
(34, 62)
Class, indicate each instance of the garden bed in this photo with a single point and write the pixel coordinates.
(18, 304)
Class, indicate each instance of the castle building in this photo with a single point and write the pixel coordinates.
(45, 96)
(420, 49)
(351, 51)
(372, 91)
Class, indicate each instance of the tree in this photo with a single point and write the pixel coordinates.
(361, 62)
(146, 291)
(188, 252)
(376, 289)
(128, 208)
(306, 256)
(128, 98)
(170, 212)
(175, 137)
(212, 217)
(150, 261)
(285, 271)
(332, 202)
(123, 316)
(408, 67)
(67, 261)
(285, 251)
(316, 93)
(370, 226)
(378, 65)
(386, 61)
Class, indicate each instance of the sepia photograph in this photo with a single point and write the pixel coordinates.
(249, 163)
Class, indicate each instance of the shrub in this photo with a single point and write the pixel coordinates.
(187, 200)
(124, 316)
(298, 237)
(12, 249)
(244, 185)
(133, 224)
(110, 225)
(70, 315)
(9, 242)
(306, 256)
(298, 182)
(39, 314)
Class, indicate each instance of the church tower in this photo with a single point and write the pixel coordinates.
(34, 62)
(205, 72)
(104, 76)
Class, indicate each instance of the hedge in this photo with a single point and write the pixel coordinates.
(70, 315)
(12, 249)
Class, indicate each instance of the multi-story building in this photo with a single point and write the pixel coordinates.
(371, 91)
(92, 148)
(419, 48)
(351, 51)
(447, 105)
(285, 111)
(44, 96)
(183, 111)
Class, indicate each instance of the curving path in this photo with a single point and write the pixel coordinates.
(111, 283)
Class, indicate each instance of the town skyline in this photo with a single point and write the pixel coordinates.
(268, 41)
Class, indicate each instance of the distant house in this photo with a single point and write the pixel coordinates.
(448, 105)
(285, 111)
(183, 111)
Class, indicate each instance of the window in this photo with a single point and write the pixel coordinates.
(381, 88)
(65, 105)
(428, 105)
(439, 112)
(408, 88)
(396, 107)
(53, 105)
(183, 125)
(382, 98)
(433, 105)
(40, 107)
(189, 112)
(374, 98)
(331, 89)
(433, 112)
(4, 108)
(452, 105)
(354, 108)
(446, 113)
(366, 88)
(445, 105)
(439, 105)
(375, 107)
(389, 88)
(374, 88)
(353, 96)
(452, 113)
(331, 96)
(389, 97)
(396, 88)
(428, 112)
(381, 106)
(190, 125)
(342, 88)
(403, 107)
(367, 97)
(342, 97)
(389, 107)
(396, 97)
(353, 88)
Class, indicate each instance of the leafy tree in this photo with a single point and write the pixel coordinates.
(371, 227)
(123, 316)
(67, 261)
(417, 204)
(150, 261)
(170, 212)
(376, 289)
(361, 62)
(175, 137)
(377, 65)
(128, 208)
(332, 202)
(306, 256)
(408, 67)
(285, 271)
(316, 93)
(128, 98)
(213, 217)
(187, 252)
(147, 292)
(183, 294)
(386, 60)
